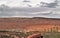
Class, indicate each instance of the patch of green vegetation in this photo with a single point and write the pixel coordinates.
(52, 35)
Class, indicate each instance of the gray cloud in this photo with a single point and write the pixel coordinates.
(8, 11)
(37, 9)
(26, 1)
(50, 5)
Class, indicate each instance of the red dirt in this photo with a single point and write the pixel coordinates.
(29, 24)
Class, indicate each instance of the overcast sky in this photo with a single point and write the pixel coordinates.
(29, 8)
(18, 3)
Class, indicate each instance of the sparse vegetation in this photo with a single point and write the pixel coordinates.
(53, 33)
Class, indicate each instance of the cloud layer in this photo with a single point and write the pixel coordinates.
(33, 12)
(8, 11)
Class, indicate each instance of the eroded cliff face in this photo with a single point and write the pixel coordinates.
(29, 24)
